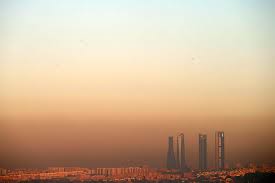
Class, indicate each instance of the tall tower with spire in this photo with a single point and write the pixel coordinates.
(171, 161)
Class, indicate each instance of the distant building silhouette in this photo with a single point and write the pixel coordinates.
(202, 152)
(126, 171)
(181, 164)
(171, 161)
(219, 150)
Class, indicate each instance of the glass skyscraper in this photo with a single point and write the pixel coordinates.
(171, 161)
(219, 150)
(202, 152)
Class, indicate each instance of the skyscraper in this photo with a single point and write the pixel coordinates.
(171, 161)
(202, 152)
(219, 150)
(181, 164)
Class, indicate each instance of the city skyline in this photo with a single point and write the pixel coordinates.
(120, 158)
(173, 163)
(104, 83)
(179, 163)
(176, 160)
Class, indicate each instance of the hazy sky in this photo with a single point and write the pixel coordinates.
(103, 83)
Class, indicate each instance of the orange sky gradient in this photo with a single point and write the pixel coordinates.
(104, 84)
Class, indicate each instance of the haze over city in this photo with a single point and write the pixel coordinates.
(104, 83)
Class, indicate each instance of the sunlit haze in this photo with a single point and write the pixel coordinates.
(104, 83)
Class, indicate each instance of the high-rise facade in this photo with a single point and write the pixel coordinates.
(219, 150)
(171, 161)
(181, 164)
(202, 152)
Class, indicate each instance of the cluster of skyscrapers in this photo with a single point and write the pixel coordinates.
(179, 163)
